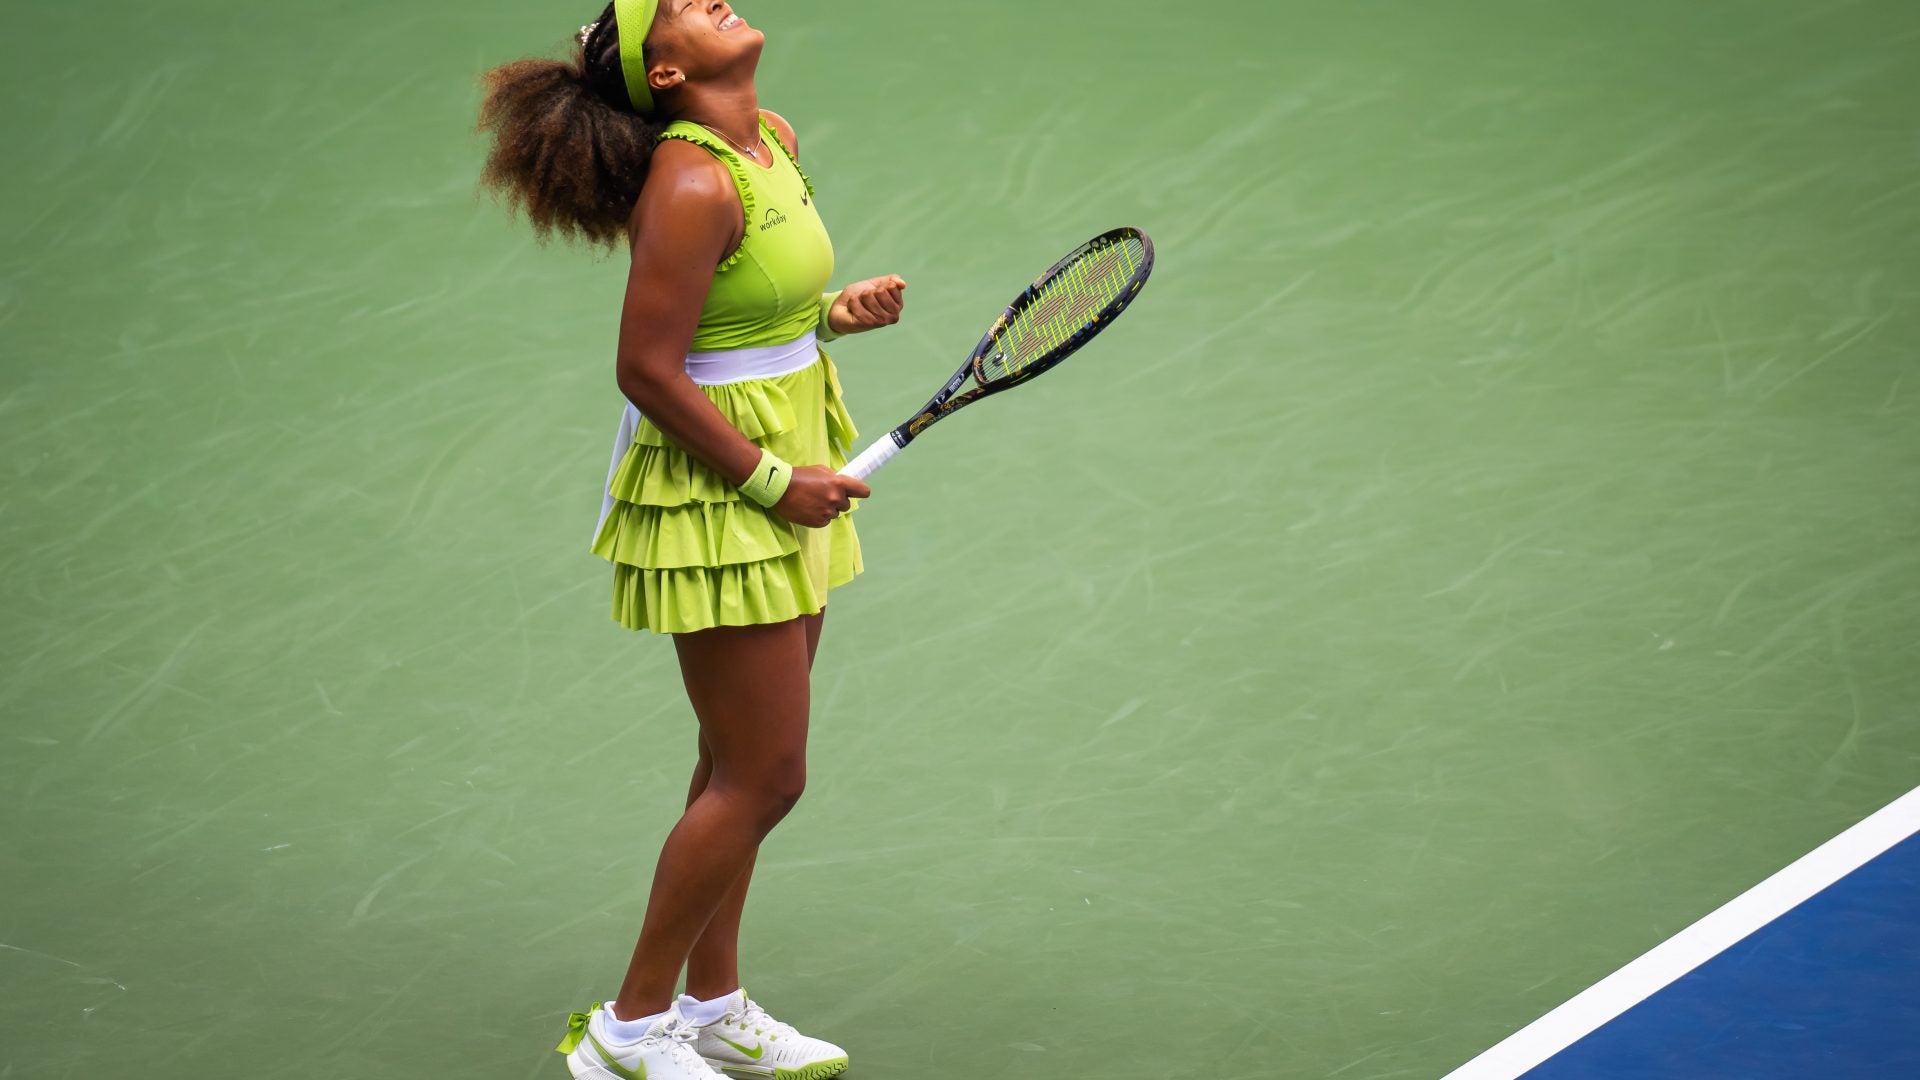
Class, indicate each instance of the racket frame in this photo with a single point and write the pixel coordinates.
(950, 399)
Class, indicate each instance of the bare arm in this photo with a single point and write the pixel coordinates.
(687, 219)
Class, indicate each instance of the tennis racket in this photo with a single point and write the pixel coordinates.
(1077, 298)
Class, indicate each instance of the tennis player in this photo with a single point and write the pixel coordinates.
(724, 518)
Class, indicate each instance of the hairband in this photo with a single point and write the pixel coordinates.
(634, 19)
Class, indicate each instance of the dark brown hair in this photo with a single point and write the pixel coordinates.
(568, 148)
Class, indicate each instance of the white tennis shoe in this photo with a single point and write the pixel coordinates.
(665, 1052)
(746, 1042)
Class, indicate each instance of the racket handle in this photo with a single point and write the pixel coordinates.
(872, 458)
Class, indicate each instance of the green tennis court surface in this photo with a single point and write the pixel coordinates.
(1491, 543)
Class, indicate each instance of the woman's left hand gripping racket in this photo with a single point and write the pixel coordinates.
(1079, 297)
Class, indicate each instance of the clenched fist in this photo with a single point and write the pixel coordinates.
(868, 305)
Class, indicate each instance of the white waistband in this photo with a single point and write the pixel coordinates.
(739, 365)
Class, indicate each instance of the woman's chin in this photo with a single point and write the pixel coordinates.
(750, 43)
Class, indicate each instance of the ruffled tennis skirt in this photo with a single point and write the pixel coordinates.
(689, 553)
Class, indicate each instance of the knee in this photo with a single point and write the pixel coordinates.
(783, 788)
(769, 792)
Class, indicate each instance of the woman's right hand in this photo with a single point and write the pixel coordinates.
(817, 495)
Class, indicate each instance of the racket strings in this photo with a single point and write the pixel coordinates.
(1068, 302)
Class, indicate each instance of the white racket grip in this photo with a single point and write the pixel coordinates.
(872, 458)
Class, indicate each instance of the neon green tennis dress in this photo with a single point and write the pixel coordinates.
(688, 552)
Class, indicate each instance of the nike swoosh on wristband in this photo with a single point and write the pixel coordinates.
(614, 1067)
(754, 1053)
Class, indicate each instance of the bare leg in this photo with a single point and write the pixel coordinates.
(748, 686)
(713, 968)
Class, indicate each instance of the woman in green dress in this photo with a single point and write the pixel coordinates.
(724, 518)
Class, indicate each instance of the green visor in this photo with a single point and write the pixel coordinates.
(634, 20)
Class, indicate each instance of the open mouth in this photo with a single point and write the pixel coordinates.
(732, 22)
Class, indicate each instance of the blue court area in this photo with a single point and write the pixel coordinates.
(1829, 989)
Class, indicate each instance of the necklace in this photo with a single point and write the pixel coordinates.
(753, 153)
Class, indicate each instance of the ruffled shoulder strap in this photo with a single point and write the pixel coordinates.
(774, 138)
(688, 131)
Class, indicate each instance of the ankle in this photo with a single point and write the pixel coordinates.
(627, 1010)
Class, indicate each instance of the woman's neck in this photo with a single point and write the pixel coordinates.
(732, 111)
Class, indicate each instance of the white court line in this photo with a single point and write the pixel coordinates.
(1704, 940)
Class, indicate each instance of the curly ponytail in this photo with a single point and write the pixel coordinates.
(567, 146)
